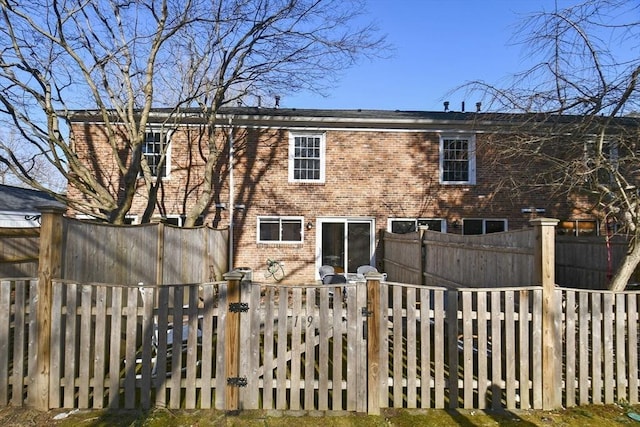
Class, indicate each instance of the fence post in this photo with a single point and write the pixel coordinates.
(374, 315)
(232, 345)
(551, 328)
(49, 267)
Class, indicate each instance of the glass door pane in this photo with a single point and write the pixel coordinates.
(333, 245)
(358, 245)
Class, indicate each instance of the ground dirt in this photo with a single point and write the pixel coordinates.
(595, 415)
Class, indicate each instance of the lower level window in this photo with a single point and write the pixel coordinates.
(579, 227)
(483, 226)
(409, 225)
(279, 229)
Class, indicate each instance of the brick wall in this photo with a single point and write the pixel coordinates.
(369, 173)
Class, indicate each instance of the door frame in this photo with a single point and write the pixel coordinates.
(345, 220)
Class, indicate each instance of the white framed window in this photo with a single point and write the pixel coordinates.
(156, 150)
(483, 226)
(307, 157)
(280, 229)
(578, 227)
(457, 159)
(128, 219)
(409, 225)
(178, 220)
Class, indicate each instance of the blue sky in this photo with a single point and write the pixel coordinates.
(439, 45)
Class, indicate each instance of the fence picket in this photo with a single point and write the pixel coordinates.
(114, 353)
(17, 383)
(281, 364)
(5, 338)
(467, 349)
(131, 324)
(620, 359)
(100, 339)
(607, 336)
(85, 344)
(584, 326)
(56, 344)
(510, 349)
(632, 334)
(496, 351)
(268, 361)
(412, 342)
(296, 349)
(398, 361)
(524, 353)
(596, 348)
(439, 343)
(336, 377)
(483, 351)
(425, 348)
(309, 354)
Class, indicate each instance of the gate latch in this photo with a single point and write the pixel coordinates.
(366, 312)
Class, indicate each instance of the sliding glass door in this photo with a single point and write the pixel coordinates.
(345, 243)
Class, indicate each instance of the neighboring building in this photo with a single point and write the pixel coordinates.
(314, 187)
(20, 207)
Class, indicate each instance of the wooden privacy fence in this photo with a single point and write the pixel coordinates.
(453, 260)
(361, 347)
(95, 252)
(508, 258)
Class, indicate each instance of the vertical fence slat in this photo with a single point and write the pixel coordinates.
(100, 347)
(439, 343)
(268, 360)
(193, 344)
(221, 335)
(596, 348)
(467, 348)
(496, 351)
(412, 342)
(425, 349)
(309, 355)
(537, 349)
(297, 350)
(584, 323)
(336, 376)
(254, 346)
(17, 389)
(569, 349)
(452, 347)
(114, 348)
(57, 345)
(607, 337)
(632, 313)
(86, 349)
(70, 348)
(483, 349)
(383, 342)
(175, 336)
(323, 351)
(281, 366)
(148, 365)
(510, 349)
(5, 334)
(207, 346)
(397, 350)
(523, 355)
(620, 349)
(131, 313)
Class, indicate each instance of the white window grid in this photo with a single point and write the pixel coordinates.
(307, 157)
(457, 159)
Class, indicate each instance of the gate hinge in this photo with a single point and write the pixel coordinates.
(237, 381)
(366, 312)
(238, 307)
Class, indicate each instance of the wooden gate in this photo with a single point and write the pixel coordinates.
(304, 348)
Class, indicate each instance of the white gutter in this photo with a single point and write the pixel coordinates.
(231, 192)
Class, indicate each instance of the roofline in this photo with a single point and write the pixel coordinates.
(370, 119)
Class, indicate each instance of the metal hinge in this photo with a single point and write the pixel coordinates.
(366, 312)
(237, 381)
(238, 307)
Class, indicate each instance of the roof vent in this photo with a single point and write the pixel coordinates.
(478, 106)
(446, 106)
(277, 101)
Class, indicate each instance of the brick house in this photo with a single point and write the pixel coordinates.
(314, 187)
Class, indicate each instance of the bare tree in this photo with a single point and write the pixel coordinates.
(125, 59)
(580, 131)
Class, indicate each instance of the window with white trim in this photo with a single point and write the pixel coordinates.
(156, 151)
(457, 159)
(578, 227)
(483, 226)
(306, 157)
(280, 229)
(409, 225)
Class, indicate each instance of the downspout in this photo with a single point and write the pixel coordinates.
(231, 192)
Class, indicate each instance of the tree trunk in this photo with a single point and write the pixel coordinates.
(626, 268)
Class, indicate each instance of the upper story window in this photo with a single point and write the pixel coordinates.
(280, 229)
(483, 226)
(409, 225)
(306, 157)
(578, 227)
(156, 150)
(457, 159)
